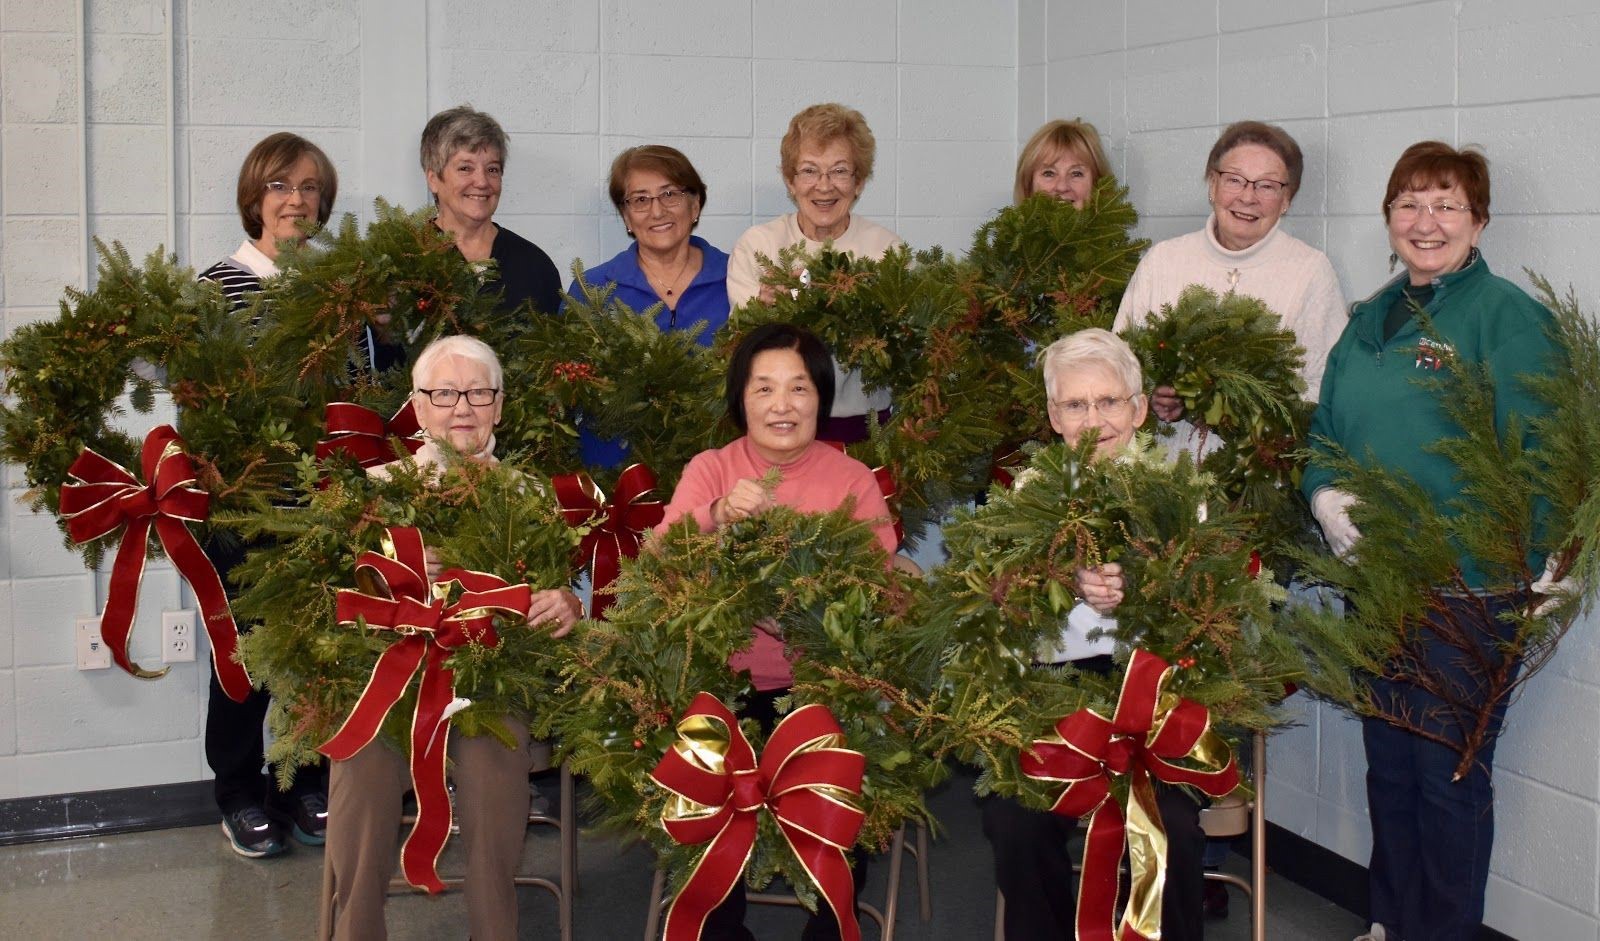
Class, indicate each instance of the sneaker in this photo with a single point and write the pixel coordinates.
(1375, 933)
(252, 833)
(305, 816)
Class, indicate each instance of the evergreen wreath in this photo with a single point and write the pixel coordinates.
(497, 519)
(1192, 599)
(1409, 550)
(684, 607)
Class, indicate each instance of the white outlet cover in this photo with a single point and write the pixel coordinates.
(93, 654)
(177, 636)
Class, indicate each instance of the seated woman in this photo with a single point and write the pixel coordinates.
(779, 382)
(826, 160)
(1093, 382)
(457, 395)
(660, 197)
(1064, 159)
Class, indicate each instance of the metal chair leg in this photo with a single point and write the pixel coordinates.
(1258, 840)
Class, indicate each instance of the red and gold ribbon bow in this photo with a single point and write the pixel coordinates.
(363, 434)
(1150, 731)
(1004, 465)
(398, 596)
(806, 779)
(885, 479)
(103, 496)
(617, 527)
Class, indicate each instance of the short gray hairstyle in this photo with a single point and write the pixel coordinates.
(457, 345)
(1091, 347)
(456, 129)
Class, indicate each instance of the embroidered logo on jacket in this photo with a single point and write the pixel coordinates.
(1431, 354)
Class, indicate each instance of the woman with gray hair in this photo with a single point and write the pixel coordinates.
(463, 156)
(1094, 386)
(456, 392)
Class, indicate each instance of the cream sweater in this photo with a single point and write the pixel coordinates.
(863, 239)
(1294, 279)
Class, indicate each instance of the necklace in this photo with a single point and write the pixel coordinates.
(670, 286)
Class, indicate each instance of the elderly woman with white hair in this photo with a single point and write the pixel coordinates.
(456, 392)
(1094, 385)
(464, 156)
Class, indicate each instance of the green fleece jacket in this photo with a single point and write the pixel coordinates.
(1372, 403)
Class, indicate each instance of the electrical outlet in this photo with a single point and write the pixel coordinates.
(177, 636)
(93, 654)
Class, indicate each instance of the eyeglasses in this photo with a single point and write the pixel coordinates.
(811, 176)
(447, 398)
(640, 204)
(1407, 209)
(1233, 184)
(310, 189)
(1106, 406)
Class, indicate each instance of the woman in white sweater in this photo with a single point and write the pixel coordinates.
(1252, 176)
(825, 159)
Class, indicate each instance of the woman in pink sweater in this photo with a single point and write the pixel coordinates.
(780, 380)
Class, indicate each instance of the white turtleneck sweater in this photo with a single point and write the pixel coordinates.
(1291, 277)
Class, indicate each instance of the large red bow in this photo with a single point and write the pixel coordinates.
(885, 479)
(402, 599)
(617, 527)
(363, 434)
(1150, 730)
(806, 779)
(1005, 464)
(104, 496)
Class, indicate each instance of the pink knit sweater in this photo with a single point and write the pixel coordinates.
(818, 481)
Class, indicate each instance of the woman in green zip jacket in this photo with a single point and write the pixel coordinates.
(1431, 836)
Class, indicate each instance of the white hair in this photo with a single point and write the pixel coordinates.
(1091, 347)
(457, 345)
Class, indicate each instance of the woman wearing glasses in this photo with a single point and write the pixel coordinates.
(463, 156)
(659, 196)
(1252, 175)
(285, 185)
(457, 393)
(826, 159)
(1431, 835)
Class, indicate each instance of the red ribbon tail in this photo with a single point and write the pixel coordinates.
(604, 566)
(1102, 864)
(419, 858)
(197, 570)
(388, 683)
(122, 598)
(713, 878)
(829, 867)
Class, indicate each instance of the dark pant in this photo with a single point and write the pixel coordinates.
(1431, 835)
(726, 921)
(1033, 870)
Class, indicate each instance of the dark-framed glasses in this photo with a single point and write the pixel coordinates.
(1408, 208)
(811, 176)
(447, 398)
(1233, 184)
(1106, 406)
(310, 189)
(640, 204)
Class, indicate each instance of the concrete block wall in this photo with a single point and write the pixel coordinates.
(572, 81)
(1356, 81)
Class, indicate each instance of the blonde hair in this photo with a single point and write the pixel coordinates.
(822, 125)
(1050, 142)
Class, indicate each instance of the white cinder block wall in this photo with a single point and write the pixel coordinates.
(1356, 81)
(950, 88)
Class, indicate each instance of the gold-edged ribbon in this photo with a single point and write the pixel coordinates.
(1150, 731)
(806, 779)
(363, 434)
(103, 496)
(399, 597)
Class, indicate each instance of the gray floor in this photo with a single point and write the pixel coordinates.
(187, 884)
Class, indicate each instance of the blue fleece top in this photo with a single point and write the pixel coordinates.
(706, 298)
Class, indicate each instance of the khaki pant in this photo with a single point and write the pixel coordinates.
(362, 852)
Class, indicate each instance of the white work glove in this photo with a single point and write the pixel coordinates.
(1332, 509)
(1554, 591)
